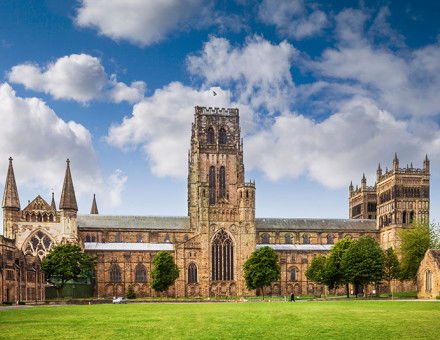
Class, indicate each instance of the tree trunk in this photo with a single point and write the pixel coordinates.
(347, 290)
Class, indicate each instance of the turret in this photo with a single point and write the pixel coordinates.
(246, 201)
(94, 209)
(11, 202)
(395, 162)
(52, 204)
(363, 182)
(378, 173)
(426, 164)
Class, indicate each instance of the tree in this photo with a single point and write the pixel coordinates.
(262, 268)
(165, 271)
(391, 267)
(334, 274)
(130, 293)
(414, 244)
(363, 262)
(67, 262)
(317, 270)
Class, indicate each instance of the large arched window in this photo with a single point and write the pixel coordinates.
(141, 273)
(428, 281)
(293, 274)
(39, 245)
(212, 185)
(404, 217)
(115, 274)
(411, 217)
(210, 136)
(222, 257)
(222, 136)
(192, 273)
(222, 182)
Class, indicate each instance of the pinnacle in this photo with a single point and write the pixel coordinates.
(94, 209)
(10, 196)
(68, 199)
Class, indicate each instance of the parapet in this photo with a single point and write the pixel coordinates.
(216, 111)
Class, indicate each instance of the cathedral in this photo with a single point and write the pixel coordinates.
(211, 244)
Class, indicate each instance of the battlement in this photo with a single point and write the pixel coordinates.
(359, 190)
(405, 171)
(216, 111)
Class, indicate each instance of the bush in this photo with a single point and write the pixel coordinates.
(130, 293)
(21, 302)
(7, 303)
(438, 297)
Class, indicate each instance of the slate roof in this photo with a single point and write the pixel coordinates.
(115, 246)
(315, 224)
(132, 222)
(310, 247)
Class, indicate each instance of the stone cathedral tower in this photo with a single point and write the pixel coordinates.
(221, 206)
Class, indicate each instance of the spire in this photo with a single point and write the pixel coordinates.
(94, 210)
(363, 181)
(426, 164)
(395, 162)
(68, 199)
(10, 195)
(52, 204)
(378, 173)
(350, 187)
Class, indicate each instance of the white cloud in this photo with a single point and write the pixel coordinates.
(78, 77)
(40, 141)
(293, 18)
(404, 83)
(138, 21)
(340, 147)
(258, 73)
(116, 184)
(161, 125)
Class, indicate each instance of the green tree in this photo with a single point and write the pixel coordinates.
(414, 244)
(262, 268)
(317, 270)
(165, 271)
(334, 275)
(363, 262)
(131, 294)
(67, 262)
(391, 267)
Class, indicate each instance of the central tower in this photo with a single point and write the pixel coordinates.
(221, 206)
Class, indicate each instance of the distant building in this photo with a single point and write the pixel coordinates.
(212, 243)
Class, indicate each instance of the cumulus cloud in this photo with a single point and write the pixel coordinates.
(78, 77)
(294, 19)
(138, 21)
(341, 147)
(40, 141)
(405, 83)
(161, 126)
(258, 72)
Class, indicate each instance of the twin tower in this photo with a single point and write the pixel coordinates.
(399, 198)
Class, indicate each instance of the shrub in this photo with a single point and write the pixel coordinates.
(21, 302)
(438, 297)
(7, 303)
(130, 293)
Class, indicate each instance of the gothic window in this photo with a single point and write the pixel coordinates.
(39, 217)
(39, 245)
(192, 273)
(167, 238)
(265, 239)
(118, 237)
(139, 238)
(212, 185)
(411, 217)
(28, 217)
(222, 257)
(330, 239)
(185, 238)
(404, 217)
(210, 136)
(428, 281)
(306, 239)
(293, 276)
(87, 238)
(115, 274)
(222, 182)
(141, 273)
(222, 136)
(287, 239)
(92, 238)
(50, 218)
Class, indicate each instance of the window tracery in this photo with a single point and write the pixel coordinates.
(222, 257)
(39, 245)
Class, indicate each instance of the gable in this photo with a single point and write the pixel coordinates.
(38, 204)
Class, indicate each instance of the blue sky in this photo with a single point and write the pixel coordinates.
(326, 91)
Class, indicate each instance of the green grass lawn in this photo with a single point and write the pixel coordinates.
(275, 320)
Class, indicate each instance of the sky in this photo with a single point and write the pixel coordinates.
(326, 91)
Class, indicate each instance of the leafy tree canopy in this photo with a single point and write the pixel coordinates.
(317, 270)
(391, 265)
(262, 268)
(67, 262)
(334, 275)
(363, 262)
(414, 244)
(165, 271)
